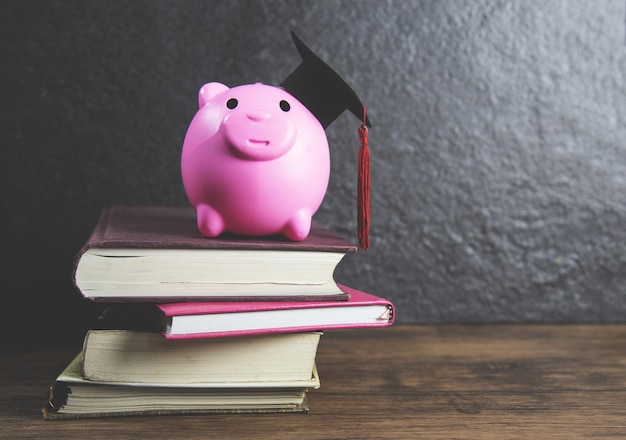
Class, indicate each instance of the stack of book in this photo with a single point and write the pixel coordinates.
(198, 325)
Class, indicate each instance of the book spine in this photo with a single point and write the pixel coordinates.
(57, 397)
(94, 239)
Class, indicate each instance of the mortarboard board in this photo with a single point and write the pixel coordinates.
(327, 95)
(320, 88)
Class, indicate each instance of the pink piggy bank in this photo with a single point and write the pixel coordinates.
(255, 161)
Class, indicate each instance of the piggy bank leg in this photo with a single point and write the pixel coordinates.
(299, 226)
(210, 222)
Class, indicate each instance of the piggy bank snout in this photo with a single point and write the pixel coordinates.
(258, 116)
(258, 134)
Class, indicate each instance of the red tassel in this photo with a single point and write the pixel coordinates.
(363, 202)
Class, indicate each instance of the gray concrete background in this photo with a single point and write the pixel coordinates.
(498, 142)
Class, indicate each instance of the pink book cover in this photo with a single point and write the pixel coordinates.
(357, 298)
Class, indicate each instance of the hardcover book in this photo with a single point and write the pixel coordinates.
(273, 360)
(72, 396)
(156, 254)
(219, 319)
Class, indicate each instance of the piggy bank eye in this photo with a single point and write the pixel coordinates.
(284, 106)
(232, 103)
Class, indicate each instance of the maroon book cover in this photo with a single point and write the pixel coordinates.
(174, 228)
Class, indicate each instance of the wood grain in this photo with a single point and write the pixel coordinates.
(407, 381)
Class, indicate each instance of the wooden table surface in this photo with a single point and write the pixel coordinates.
(442, 381)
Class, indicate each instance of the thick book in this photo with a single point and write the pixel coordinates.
(273, 360)
(219, 319)
(157, 254)
(72, 396)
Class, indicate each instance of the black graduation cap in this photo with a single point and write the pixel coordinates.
(321, 89)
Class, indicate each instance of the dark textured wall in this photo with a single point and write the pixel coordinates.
(498, 145)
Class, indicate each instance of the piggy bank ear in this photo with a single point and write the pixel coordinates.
(208, 91)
